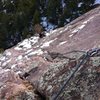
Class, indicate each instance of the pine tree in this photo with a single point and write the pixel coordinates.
(53, 10)
(36, 17)
(18, 18)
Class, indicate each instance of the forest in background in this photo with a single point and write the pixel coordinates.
(19, 18)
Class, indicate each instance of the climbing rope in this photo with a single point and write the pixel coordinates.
(86, 56)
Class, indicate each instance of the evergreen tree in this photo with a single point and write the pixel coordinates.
(36, 17)
(53, 10)
(18, 18)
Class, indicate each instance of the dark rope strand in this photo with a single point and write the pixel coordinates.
(86, 56)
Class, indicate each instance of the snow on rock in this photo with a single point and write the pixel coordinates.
(6, 62)
(58, 31)
(51, 32)
(85, 22)
(28, 51)
(2, 58)
(78, 28)
(8, 53)
(36, 52)
(47, 44)
(55, 31)
(19, 57)
(18, 48)
(2, 70)
(27, 43)
(71, 35)
(34, 39)
(61, 43)
(18, 72)
(13, 66)
(83, 25)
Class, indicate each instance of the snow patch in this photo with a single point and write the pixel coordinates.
(46, 44)
(2, 58)
(27, 43)
(44, 21)
(29, 51)
(6, 70)
(36, 52)
(60, 31)
(6, 62)
(18, 48)
(3, 70)
(85, 22)
(47, 25)
(62, 42)
(26, 57)
(13, 66)
(50, 26)
(78, 28)
(63, 4)
(36, 46)
(48, 33)
(83, 25)
(19, 57)
(19, 72)
(8, 53)
(51, 32)
(80, 4)
(71, 35)
(11, 1)
(34, 39)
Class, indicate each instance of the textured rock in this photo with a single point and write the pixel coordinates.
(85, 85)
(12, 87)
(36, 69)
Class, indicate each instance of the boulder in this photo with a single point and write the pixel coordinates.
(37, 68)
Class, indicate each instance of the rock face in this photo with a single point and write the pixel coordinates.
(36, 69)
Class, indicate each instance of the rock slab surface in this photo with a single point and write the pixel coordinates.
(36, 69)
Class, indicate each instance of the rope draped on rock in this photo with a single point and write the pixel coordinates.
(86, 56)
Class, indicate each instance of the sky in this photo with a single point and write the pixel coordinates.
(97, 1)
